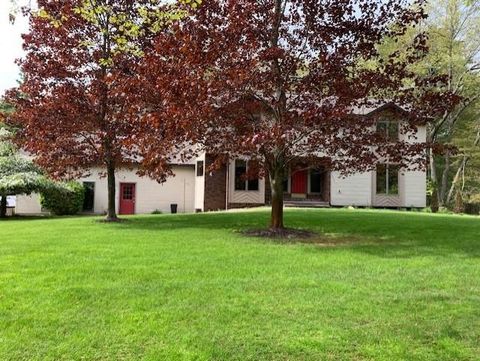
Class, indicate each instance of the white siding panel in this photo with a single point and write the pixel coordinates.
(150, 195)
(415, 184)
(200, 186)
(354, 190)
(419, 137)
(28, 205)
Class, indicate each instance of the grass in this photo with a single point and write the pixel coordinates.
(378, 285)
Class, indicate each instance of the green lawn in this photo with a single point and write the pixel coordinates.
(381, 286)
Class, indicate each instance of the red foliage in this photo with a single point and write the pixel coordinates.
(74, 106)
(276, 80)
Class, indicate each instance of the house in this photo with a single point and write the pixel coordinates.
(193, 189)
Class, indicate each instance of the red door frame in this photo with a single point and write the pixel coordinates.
(300, 182)
(127, 206)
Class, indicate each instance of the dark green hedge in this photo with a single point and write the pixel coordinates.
(472, 208)
(63, 198)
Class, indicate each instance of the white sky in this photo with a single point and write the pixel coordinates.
(10, 46)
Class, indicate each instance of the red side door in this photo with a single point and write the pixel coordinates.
(300, 181)
(127, 198)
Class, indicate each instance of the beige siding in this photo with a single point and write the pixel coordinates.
(200, 185)
(28, 205)
(415, 189)
(415, 182)
(412, 184)
(150, 195)
(354, 190)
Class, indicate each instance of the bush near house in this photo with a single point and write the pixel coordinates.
(63, 198)
(472, 205)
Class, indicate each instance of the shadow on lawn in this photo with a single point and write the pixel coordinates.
(380, 233)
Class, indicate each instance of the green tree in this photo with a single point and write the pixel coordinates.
(18, 175)
(466, 137)
(454, 54)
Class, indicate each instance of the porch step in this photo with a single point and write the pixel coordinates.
(306, 204)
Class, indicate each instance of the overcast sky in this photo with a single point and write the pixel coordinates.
(10, 46)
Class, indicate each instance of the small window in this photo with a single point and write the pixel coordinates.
(389, 129)
(200, 168)
(315, 181)
(252, 184)
(285, 184)
(381, 179)
(128, 192)
(89, 199)
(387, 179)
(240, 171)
(241, 183)
(393, 171)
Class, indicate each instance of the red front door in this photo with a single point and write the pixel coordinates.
(127, 198)
(300, 181)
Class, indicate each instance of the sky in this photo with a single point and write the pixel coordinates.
(10, 46)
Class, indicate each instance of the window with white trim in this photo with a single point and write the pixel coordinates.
(241, 182)
(387, 179)
(388, 129)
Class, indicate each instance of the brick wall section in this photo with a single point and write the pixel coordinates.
(215, 187)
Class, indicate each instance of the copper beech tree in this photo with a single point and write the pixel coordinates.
(277, 80)
(72, 108)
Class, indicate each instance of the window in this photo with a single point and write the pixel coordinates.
(200, 168)
(387, 179)
(315, 181)
(241, 183)
(252, 184)
(88, 201)
(388, 129)
(285, 184)
(240, 170)
(127, 193)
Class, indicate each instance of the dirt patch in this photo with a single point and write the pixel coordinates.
(285, 233)
(115, 220)
(289, 235)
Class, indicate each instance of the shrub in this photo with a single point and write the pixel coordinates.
(472, 205)
(472, 208)
(63, 198)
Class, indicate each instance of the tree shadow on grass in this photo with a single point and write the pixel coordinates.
(380, 233)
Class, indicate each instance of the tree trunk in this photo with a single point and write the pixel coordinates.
(434, 201)
(444, 184)
(3, 206)
(111, 212)
(456, 179)
(433, 167)
(276, 183)
(433, 178)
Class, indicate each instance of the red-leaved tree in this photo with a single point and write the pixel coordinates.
(278, 80)
(73, 108)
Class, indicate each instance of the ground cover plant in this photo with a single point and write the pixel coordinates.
(374, 285)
